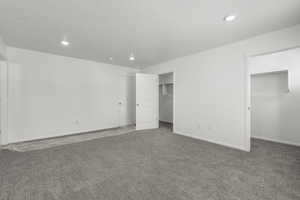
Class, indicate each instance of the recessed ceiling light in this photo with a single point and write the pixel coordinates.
(110, 58)
(65, 43)
(131, 57)
(230, 18)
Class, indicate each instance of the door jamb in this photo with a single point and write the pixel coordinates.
(4, 67)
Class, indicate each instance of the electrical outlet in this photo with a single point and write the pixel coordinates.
(76, 121)
(210, 128)
(198, 126)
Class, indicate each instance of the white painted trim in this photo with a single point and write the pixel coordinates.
(4, 102)
(174, 99)
(66, 134)
(212, 141)
(247, 136)
(277, 141)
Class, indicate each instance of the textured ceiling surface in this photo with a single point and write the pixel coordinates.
(154, 31)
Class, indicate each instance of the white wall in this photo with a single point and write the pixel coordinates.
(275, 115)
(2, 49)
(2, 58)
(166, 99)
(52, 95)
(211, 91)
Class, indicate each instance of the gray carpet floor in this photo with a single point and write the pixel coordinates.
(151, 165)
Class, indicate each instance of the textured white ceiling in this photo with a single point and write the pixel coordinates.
(154, 30)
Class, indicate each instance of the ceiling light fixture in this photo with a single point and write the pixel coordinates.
(131, 57)
(64, 43)
(110, 58)
(230, 18)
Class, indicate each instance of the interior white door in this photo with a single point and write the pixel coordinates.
(126, 100)
(146, 101)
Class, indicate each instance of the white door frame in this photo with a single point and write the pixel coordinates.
(4, 102)
(174, 95)
(248, 92)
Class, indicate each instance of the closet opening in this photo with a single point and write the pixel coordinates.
(166, 100)
(274, 97)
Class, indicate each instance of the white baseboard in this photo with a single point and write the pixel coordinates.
(277, 141)
(212, 141)
(66, 134)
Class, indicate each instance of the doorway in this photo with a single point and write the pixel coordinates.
(273, 96)
(166, 101)
(155, 101)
